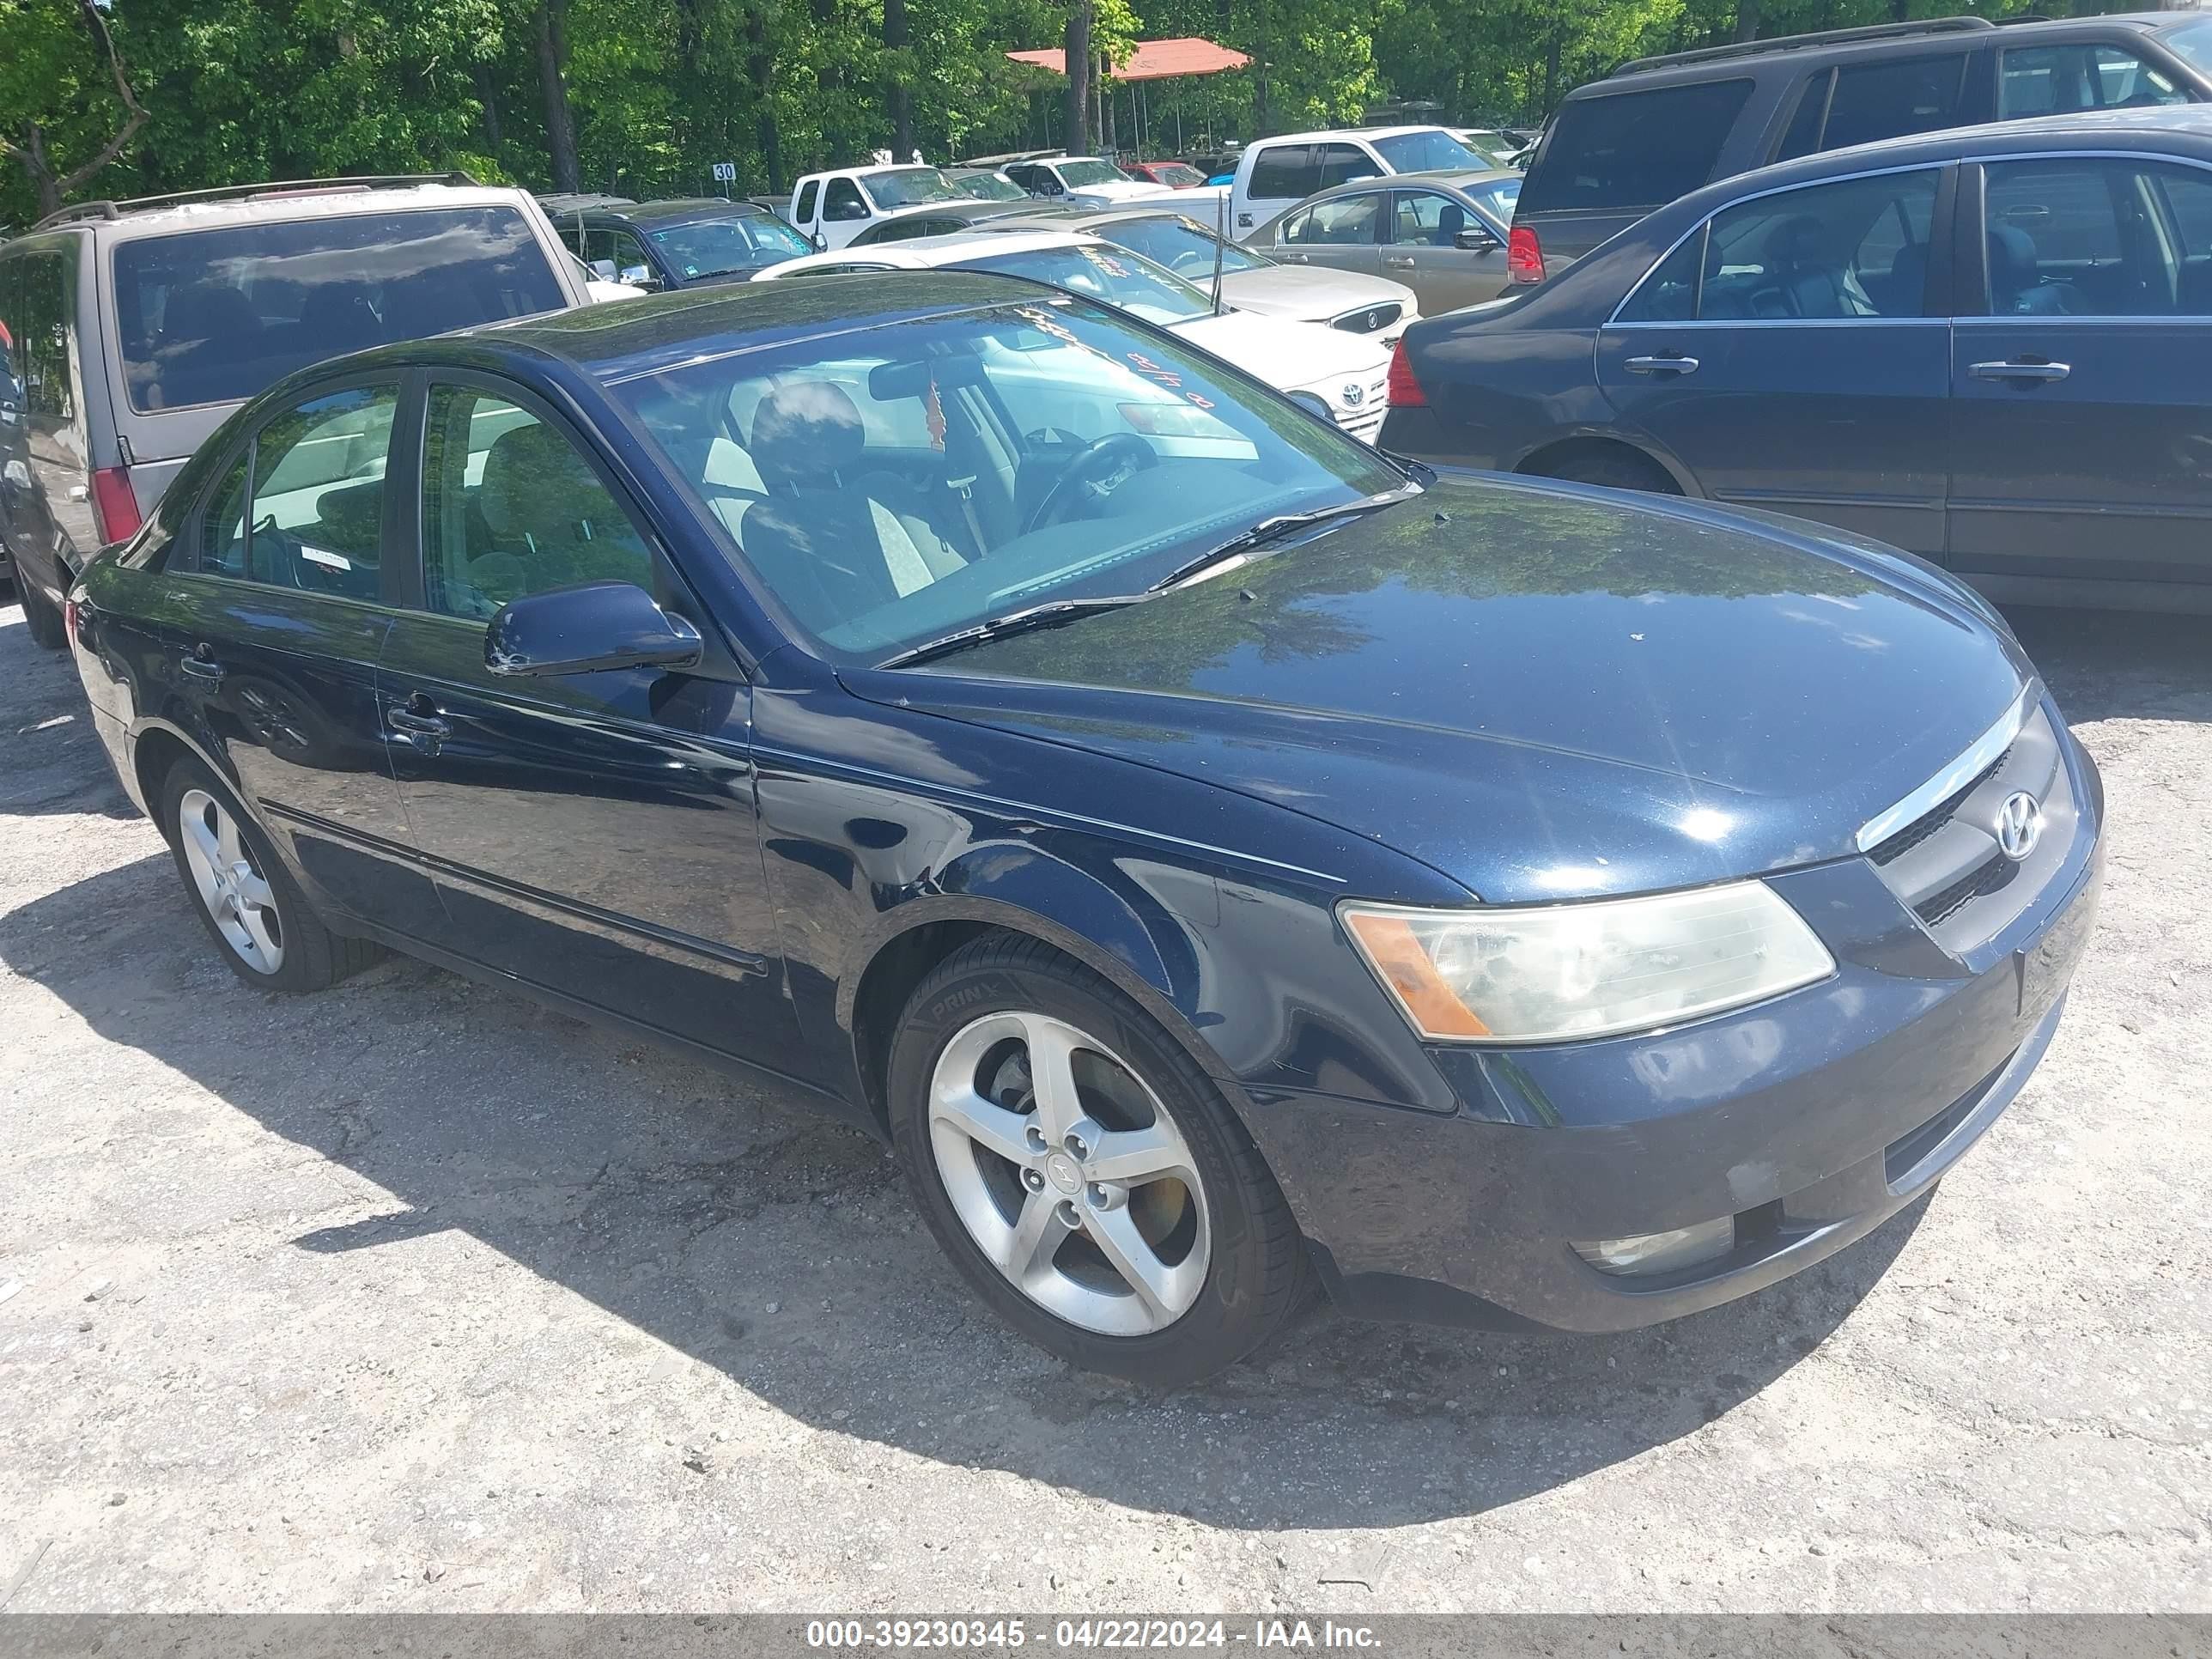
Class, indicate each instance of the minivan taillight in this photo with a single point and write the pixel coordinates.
(114, 509)
(1525, 256)
(1404, 391)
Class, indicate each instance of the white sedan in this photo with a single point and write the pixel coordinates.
(1341, 375)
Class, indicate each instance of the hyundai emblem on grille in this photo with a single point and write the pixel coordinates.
(2020, 823)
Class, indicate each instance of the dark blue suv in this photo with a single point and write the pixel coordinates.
(1988, 346)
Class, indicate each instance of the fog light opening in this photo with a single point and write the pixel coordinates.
(1645, 1255)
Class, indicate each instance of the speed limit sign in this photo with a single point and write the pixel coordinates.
(726, 173)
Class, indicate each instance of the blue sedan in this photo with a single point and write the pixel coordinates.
(1216, 856)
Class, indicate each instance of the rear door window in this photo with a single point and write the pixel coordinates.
(213, 316)
(1893, 97)
(1633, 150)
(806, 194)
(304, 507)
(1342, 221)
(1342, 164)
(1857, 248)
(2077, 236)
(1286, 171)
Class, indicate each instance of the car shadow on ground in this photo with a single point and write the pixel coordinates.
(50, 760)
(2120, 665)
(727, 1221)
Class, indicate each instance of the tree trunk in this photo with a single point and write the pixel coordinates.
(1900, 11)
(553, 82)
(760, 69)
(40, 169)
(1261, 126)
(898, 99)
(1107, 141)
(488, 98)
(1747, 19)
(1077, 52)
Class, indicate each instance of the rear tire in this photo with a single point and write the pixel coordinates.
(1615, 469)
(1083, 1174)
(39, 616)
(261, 922)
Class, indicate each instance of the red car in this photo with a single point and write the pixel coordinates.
(1176, 175)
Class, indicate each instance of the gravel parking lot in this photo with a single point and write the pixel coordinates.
(415, 1295)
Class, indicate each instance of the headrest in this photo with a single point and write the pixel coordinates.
(2012, 258)
(805, 431)
(209, 311)
(1799, 239)
(530, 479)
(1451, 221)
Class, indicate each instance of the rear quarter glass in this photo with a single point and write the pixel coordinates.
(1633, 150)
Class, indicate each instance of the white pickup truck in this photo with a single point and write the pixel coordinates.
(833, 208)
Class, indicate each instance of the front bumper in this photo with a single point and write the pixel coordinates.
(1811, 1118)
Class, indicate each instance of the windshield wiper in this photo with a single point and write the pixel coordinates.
(1051, 614)
(1268, 529)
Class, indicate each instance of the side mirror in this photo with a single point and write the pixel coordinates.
(604, 271)
(1475, 239)
(576, 630)
(640, 277)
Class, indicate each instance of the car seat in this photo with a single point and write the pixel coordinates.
(2016, 285)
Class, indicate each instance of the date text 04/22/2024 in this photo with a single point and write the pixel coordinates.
(1072, 1635)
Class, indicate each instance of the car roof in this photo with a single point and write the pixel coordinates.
(2183, 127)
(678, 208)
(1453, 178)
(629, 338)
(954, 246)
(1347, 132)
(1751, 57)
(330, 198)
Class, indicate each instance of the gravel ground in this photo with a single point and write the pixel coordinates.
(414, 1295)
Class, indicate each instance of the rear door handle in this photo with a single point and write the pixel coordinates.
(2034, 373)
(201, 667)
(1666, 363)
(1399, 261)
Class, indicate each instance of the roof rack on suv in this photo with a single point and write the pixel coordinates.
(116, 210)
(575, 201)
(1799, 42)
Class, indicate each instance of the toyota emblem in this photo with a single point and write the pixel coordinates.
(1354, 396)
(2019, 824)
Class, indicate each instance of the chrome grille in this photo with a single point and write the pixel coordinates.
(1369, 320)
(1945, 864)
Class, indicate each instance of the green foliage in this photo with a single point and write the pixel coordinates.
(240, 91)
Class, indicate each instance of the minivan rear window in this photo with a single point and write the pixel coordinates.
(213, 316)
(1632, 150)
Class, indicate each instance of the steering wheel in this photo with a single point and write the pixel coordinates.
(1099, 468)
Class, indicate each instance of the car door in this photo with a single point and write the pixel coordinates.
(2082, 438)
(620, 251)
(844, 211)
(591, 833)
(1342, 232)
(273, 610)
(1783, 355)
(1441, 249)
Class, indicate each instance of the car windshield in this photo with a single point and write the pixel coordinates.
(1079, 174)
(213, 316)
(910, 187)
(1426, 151)
(715, 247)
(989, 187)
(1176, 173)
(1498, 200)
(2192, 42)
(891, 485)
(1179, 243)
(1112, 274)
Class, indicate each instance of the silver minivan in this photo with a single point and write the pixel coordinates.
(132, 330)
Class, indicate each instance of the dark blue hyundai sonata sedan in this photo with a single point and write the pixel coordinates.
(1215, 855)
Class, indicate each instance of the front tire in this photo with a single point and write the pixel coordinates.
(261, 921)
(1082, 1173)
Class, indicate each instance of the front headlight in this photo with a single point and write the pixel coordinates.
(1554, 973)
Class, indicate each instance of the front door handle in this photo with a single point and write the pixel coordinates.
(2032, 372)
(417, 722)
(1667, 362)
(1399, 261)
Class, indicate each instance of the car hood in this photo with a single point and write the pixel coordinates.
(1309, 293)
(1286, 354)
(1541, 691)
(1127, 189)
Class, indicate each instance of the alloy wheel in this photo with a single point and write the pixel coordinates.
(1069, 1174)
(229, 883)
